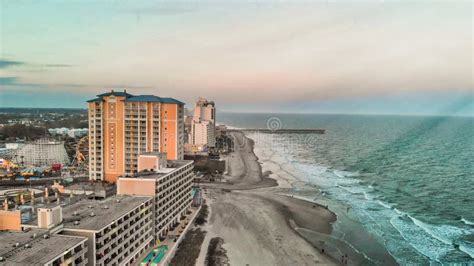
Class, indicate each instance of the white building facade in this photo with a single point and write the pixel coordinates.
(203, 125)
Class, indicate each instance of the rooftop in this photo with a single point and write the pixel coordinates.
(136, 98)
(41, 250)
(172, 166)
(115, 93)
(104, 211)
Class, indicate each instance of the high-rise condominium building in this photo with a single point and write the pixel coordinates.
(122, 126)
(203, 126)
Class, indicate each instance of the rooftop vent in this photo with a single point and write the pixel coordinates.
(92, 214)
(76, 222)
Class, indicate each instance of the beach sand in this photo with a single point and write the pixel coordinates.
(258, 224)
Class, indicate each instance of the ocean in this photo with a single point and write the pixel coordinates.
(407, 181)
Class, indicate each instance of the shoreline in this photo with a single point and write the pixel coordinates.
(259, 225)
(355, 239)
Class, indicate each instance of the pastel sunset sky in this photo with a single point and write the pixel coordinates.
(402, 57)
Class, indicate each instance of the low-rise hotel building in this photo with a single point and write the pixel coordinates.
(38, 247)
(169, 185)
(118, 229)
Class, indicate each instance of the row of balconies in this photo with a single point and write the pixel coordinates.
(161, 207)
(170, 192)
(131, 229)
(170, 176)
(163, 185)
(168, 201)
(76, 253)
(131, 215)
(130, 246)
(167, 220)
(170, 207)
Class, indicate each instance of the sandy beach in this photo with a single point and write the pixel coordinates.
(257, 223)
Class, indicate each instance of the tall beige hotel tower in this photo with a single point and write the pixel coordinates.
(122, 126)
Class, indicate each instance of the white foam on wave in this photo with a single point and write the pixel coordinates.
(343, 174)
(433, 241)
(383, 204)
(465, 221)
(445, 233)
(467, 248)
(419, 240)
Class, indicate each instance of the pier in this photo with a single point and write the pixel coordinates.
(283, 130)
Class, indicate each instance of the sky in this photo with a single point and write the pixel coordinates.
(387, 57)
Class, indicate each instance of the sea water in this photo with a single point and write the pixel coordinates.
(408, 180)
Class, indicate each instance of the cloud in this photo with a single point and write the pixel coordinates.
(4, 63)
(8, 63)
(8, 80)
(58, 65)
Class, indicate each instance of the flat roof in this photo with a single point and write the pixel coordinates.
(172, 165)
(41, 251)
(117, 206)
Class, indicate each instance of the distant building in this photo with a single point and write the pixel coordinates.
(73, 132)
(12, 146)
(203, 125)
(122, 126)
(77, 132)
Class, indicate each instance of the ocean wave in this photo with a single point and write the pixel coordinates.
(343, 174)
(444, 233)
(367, 196)
(433, 241)
(383, 204)
(418, 239)
(355, 191)
(465, 221)
(467, 248)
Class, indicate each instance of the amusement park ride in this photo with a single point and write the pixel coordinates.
(16, 169)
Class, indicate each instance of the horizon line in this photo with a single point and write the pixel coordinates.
(296, 113)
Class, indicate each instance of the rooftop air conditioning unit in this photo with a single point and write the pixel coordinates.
(92, 214)
(45, 236)
(76, 222)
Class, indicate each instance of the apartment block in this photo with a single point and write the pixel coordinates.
(203, 125)
(38, 247)
(170, 188)
(118, 229)
(122, 126)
